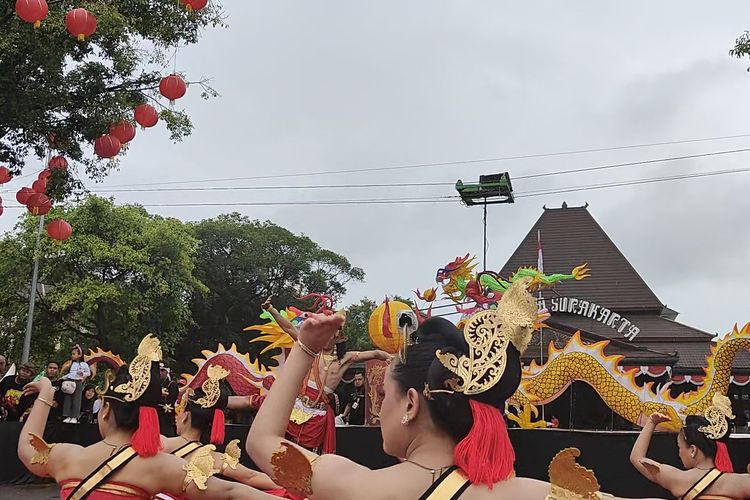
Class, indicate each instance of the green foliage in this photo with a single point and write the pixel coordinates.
(741, 46)
(244, 261)
(123, 274)
(50, 83)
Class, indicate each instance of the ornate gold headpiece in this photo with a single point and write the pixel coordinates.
(488, 334)
(211, 388)
(717, 415)
(149, 351)
(183, 400)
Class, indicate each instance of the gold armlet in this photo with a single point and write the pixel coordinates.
(292, 470)
(41, 457)
(231, 457)
(200, 467)
(571, 481)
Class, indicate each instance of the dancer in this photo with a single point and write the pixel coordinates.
(697, 442)
(442, 413)
(313, 420)
(200, 419)
(127, 462)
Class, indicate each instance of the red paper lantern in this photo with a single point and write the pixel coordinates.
(107, 146)
(124, 131)
(146, 115)
(44, 175)
(192, 5)
(5, 175)
(39, 204)
(39, 186)
(172, 87)
(32, 11)
(59, 230)
(23, 195)
(58, 162)
(80, 23)
(1, 210)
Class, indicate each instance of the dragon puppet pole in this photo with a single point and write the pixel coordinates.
(540, 266)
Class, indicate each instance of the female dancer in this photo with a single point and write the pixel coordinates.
(697, 442)
(442, 413)
(200, 419)
(127, 462)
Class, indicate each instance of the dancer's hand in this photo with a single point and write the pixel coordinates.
(40, 386)
(267, 305)
(659, 418)
(318, 330)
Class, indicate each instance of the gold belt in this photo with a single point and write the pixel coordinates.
(310, 403)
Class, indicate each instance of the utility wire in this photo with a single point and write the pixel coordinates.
(444, 163)
(132, 189)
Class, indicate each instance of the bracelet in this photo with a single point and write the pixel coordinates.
(48, 403)
(306, 349)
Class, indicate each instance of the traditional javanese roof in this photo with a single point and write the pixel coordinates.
(571, 237)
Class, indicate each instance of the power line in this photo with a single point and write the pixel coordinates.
(441, 199)
(408, 184)
(445, 163)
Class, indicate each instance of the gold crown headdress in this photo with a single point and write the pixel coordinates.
(211, 388)
(717, 415)
(488, 335)
(149, 351)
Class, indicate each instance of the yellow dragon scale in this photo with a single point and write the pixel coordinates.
(588, 363)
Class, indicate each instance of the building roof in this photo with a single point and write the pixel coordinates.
(570, 237)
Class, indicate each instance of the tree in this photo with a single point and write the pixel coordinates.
(242, 262)
(122, 274)
(357, 328)
(741, 46)
(52, 85)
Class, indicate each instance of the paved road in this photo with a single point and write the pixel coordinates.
(29, 492)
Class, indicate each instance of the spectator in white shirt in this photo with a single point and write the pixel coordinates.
(72, 385)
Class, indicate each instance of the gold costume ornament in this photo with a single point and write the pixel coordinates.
(149, 351)
(42, 449)
(292, 470)
(180, 406)
(232, 454)
(211, 388)
(571, 481)
(717, 415)
(488, 335)
(200, 467)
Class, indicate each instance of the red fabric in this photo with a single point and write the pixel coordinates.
(147, 439)
(486, 454)
(217, 428)
(722, 460)
(102, 495)
(318, 432)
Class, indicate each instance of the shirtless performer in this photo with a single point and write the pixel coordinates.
(312, 423)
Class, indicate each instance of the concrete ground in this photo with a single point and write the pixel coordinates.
(29, 492)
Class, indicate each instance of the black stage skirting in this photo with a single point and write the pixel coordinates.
(605, 452)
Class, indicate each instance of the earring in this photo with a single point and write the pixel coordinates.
(405, 419)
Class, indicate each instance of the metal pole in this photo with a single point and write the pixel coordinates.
(485, 234)
(32, 295)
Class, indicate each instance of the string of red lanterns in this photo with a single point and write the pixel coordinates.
(192, 5)
(32, 11)
(59, 230)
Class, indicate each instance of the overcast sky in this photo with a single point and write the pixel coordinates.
(331, 85)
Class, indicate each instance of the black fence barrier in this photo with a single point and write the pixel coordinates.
(605, 452)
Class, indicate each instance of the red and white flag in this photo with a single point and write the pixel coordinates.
(540, 258)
